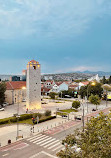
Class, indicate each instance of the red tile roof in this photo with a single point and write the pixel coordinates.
(85, 83)
(44, 89)
(58, 83)
(12, 85)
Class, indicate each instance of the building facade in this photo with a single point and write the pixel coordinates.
(33, 83)
(15, 92)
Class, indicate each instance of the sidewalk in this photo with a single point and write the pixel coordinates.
(10, 132)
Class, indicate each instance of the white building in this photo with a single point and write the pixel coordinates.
(96, 77)
(58, 87)
(33, 85)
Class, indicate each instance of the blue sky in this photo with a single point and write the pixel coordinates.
(63, 35)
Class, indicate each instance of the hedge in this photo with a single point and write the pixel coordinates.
(45, 119)
(21, 118)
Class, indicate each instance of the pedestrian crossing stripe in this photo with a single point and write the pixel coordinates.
(46, 142)
(32, 140)
(54, 145)
(40, 139)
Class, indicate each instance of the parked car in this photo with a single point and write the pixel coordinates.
(5, 104)
(24, 100)
(93, 109)
(67, 96)
(43, 102)
(2, 109)
(78, 118)
(64, 115)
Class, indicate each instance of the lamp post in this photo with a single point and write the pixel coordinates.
(106, 87)
(18, 118)
(18, 114)
(92, 84)
(61, 94)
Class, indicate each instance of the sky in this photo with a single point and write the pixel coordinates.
(63, 35)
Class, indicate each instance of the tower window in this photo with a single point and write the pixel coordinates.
(34, 67)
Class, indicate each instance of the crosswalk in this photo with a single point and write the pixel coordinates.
(47, 142)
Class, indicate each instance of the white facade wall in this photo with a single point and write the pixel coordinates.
(63, 87)
(33, 85)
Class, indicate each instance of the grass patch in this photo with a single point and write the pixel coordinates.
(65, 111)
(26, 118)
(69, 110)
(42, 119)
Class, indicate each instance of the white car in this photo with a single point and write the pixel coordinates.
(5, 104)
(2, 109)
(24, 100)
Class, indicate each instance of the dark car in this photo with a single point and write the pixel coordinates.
(93, 109)
(67, 96)
(77, 117)
(64, 115)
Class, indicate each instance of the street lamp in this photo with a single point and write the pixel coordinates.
(92, 84)
(61, 94)
(106, 87)
(17, 116)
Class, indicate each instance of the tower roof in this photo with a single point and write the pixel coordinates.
(33, 62)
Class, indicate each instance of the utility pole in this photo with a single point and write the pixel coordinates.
(83, 117)
(18, 117)
(106, 98)
(87, 99)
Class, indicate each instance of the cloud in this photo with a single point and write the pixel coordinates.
(49, 17)
(80, 68)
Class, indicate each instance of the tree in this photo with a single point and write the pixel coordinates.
(76, 104)
(52, 95)
(109, 80)
(2, 92)
(104, 80)
(91, 89)
(83, 91)
(94, 142)
(94, 99)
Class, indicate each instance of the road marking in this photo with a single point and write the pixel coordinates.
(48, 154)
(51, 143)
(44, 140)
(37, 138)
(40, 139)
(43, 152)
(34, 137)
(5, 154)
(54, 145)
(57, 147)
(22, 146)
(48, 141)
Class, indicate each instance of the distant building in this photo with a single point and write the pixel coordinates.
(96, 77)
(24, 74)
(14, 78)
(83, 84)
(59, 86)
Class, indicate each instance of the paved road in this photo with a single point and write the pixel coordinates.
(43, 145)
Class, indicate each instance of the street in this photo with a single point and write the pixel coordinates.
(44, 144)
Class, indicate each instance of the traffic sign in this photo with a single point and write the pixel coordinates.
(37, 119)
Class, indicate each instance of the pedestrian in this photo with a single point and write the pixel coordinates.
(75, 118)
(33, 129)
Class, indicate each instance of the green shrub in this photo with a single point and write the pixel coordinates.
(4, 121)
(37, 114)
(45, 119)
(76, 104)
(12, 119)
(52, 95)
(47, 113)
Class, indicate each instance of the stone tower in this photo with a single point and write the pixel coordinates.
(33, 85)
